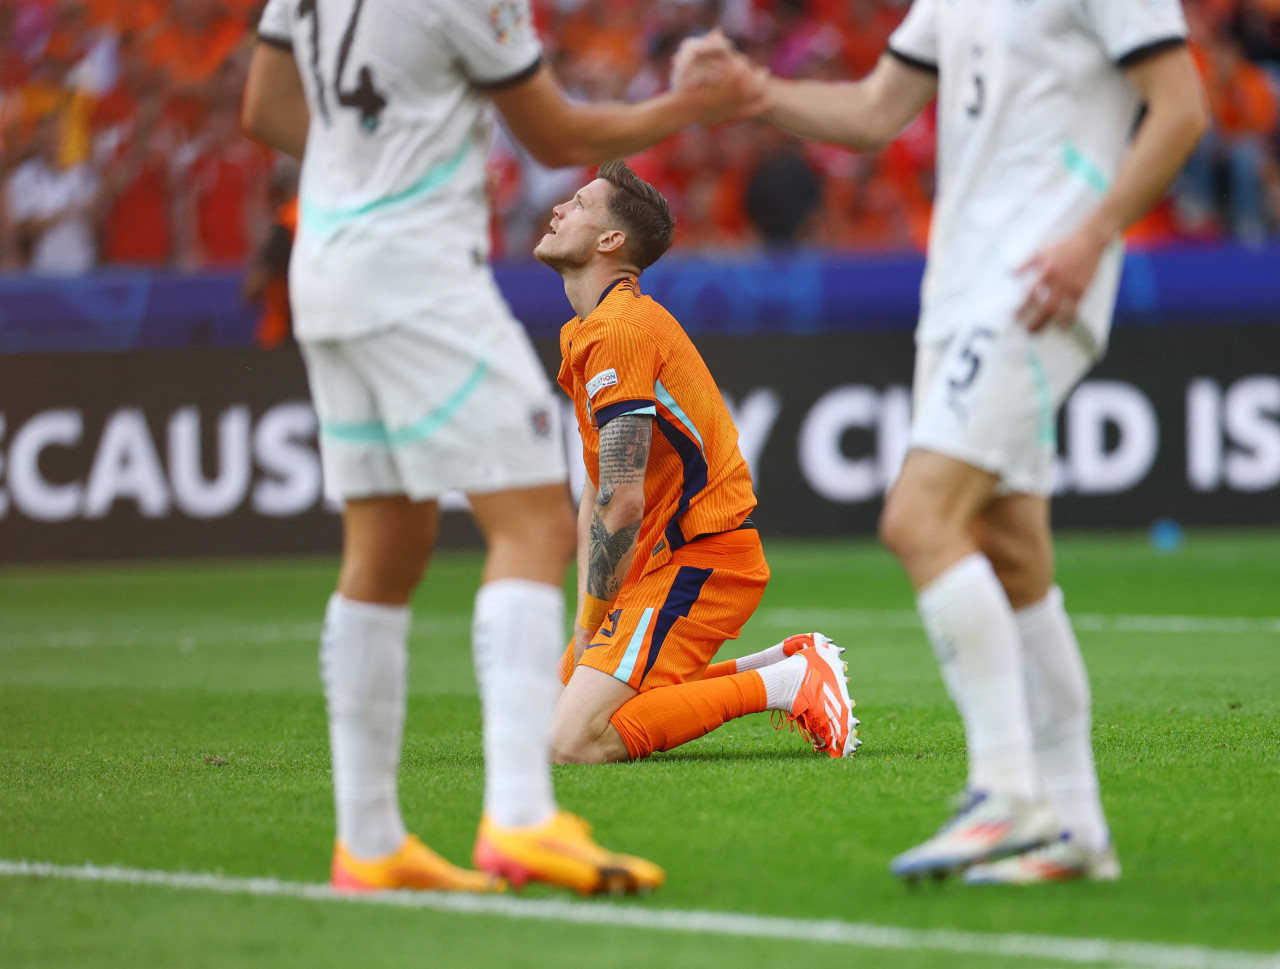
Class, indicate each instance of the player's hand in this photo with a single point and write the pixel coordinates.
(701, 60)
(729, 83)
(1060, 275)
(753, 82)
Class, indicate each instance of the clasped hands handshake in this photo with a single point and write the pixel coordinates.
(729, 84)
(726, 85)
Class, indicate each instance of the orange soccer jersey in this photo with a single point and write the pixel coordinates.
(683, 596)
(630, 356)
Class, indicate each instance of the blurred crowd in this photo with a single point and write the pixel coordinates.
(119, 140)
(119, 135)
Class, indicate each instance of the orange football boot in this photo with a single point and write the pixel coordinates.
(823, 709)
(793, 644)
(561, 852)
(414, 866)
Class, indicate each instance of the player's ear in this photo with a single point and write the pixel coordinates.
(611, 240)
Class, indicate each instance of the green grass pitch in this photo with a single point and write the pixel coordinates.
(169, 718)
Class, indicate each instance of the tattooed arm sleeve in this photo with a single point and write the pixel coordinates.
(619, 504)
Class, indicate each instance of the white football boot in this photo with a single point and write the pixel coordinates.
(1059, 861)
(986, 826)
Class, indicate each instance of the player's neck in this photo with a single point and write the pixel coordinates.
(586, 285)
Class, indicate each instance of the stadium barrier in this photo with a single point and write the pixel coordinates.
(206, 450)
(199, 452)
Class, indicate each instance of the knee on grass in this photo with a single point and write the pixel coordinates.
(578, 746)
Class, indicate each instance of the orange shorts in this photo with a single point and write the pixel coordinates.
(667, 627)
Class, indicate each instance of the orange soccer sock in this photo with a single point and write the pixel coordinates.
(727, 668)
(673, 715)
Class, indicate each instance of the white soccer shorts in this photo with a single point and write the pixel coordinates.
(990, 397)
(464, 405)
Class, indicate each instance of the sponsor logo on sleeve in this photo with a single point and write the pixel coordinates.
(605, 378)
(508, 20)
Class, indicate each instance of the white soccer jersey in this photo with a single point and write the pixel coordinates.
(1034, 115)
(393, 211)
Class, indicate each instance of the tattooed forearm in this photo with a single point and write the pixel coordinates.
(624, 455)
(607, 554)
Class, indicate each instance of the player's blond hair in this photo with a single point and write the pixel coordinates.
(641, 211)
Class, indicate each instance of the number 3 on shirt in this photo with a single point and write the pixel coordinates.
(610, 624)
(974, 108)
(364, 97)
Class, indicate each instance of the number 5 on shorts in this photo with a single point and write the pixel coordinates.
(966, 370)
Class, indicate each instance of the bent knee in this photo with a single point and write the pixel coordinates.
(893, 526)
(907, 527)
(573, 755)
(575, 745)
(576, 750)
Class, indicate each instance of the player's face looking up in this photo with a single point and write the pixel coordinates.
(579, 228)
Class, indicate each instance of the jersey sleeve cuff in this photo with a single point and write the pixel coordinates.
(915, 62)
(1140, 54)
(271, 40)
(517, 78)
(617, 409)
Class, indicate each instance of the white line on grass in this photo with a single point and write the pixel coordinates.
(427, 625)
(1138, 955)
(1088, 622)
(185, 640)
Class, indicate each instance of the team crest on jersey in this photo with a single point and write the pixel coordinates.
(605, 378)
(507, 18)
(541, 420)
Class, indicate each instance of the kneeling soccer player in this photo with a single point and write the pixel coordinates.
(669, 562)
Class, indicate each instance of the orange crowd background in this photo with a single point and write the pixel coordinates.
(120, 143)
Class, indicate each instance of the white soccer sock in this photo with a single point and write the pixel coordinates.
(971, 626)
(766, 657)
(782, 682)
(1058, 695)
(517, 637)
(364, 659)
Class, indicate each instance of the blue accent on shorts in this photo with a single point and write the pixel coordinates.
(684, 593)
(1047, 433)
(375, 432)
(627, 666)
